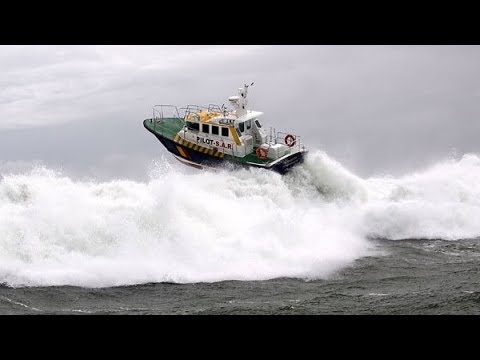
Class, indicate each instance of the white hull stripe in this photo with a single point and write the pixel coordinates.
(194, 164)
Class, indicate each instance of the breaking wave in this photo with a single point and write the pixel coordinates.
(204, 227)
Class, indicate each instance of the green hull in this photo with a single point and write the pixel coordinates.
(166, 131)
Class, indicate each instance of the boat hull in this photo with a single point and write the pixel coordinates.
(198, 159)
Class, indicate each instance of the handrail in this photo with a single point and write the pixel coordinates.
(159, 109)
(158, 114)
(189, 109)
(276, 137)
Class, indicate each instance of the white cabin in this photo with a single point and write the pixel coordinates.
(235, 132)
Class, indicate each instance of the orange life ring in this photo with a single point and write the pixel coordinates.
(262, 153)
(290, 140)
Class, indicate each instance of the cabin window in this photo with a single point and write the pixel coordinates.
(225, 131)
(214, 130)
(258, 123)
(193, 126)
(249, 124)
(206, 128)
(242, 126)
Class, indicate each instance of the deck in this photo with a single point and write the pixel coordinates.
(167, 127)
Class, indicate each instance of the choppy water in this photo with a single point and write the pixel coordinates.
(318, 241)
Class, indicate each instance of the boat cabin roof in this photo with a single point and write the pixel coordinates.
(218, 118)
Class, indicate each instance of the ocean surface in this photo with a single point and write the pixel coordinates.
(319, 240)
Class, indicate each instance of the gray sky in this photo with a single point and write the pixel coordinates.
(376, 109)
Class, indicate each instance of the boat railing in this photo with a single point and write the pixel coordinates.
(279, 137)
(192, 111)
(215, 108)
(194, 108)
(161, 112)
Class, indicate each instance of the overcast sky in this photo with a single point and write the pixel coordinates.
(376, 109)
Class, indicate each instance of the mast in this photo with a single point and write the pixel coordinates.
(240, 102)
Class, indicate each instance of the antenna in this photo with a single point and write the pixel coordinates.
(240, 102)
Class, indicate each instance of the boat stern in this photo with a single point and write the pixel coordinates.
(287, 163)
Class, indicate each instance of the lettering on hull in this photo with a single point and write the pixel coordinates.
(214, 143)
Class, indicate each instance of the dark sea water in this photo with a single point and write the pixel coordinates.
(416, 277)
(319, 240)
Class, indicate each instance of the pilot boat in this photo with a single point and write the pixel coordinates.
(213, 136)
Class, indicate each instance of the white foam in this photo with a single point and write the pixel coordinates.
(442, 202)
(203, 227)
(177, 227)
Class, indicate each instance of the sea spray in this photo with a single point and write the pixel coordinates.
(200, 226)
(442, 202)
(179, 227)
